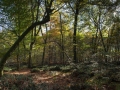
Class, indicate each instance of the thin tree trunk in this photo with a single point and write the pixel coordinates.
(43, 56)
(30, 55)
(24, 50)
(74, 34)
(95, 46)
(50, 56)
(61, 41)
(33, 33)
(101, 36)
(44, 48)
(18, 62)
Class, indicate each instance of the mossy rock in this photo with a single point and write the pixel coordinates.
(35, 70)
(66, 70)
(78, 73)
(55, 68)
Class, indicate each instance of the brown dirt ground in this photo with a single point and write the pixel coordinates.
(50, 77)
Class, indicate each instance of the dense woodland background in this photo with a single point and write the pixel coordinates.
(78, 36)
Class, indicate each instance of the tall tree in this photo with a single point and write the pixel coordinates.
(77, 6)
(45, 19)
(35, 15)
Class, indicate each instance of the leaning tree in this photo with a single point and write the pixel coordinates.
(45, 19)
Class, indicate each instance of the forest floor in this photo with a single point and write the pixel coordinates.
(82, 79)
(47, 80)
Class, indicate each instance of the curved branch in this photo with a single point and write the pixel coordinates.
(6, 56)
(14, 46)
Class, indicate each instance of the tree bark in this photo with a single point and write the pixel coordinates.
(61, 41)
(18, 60)
(74, 34)
(44, 48)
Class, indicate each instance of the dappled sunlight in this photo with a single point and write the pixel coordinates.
(24, 71)
(42, 76)
(49, 76)
(53, 79)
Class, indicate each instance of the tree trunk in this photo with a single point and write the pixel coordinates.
(43, 56)
(61, 41)
(24, 53)
(18, 62)
(74, 34)
(44, 48)
(101, 36)
(30, 55)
